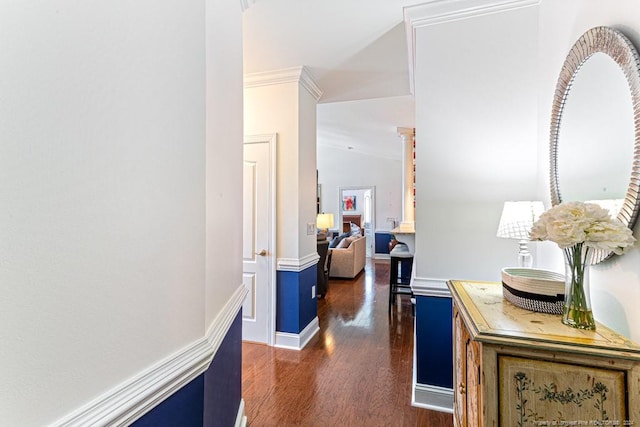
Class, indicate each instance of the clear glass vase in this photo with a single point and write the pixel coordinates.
(577, 311)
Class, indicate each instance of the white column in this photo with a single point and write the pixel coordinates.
(408, 210)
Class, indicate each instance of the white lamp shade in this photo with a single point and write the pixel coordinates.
(324, 220)
(517, 219)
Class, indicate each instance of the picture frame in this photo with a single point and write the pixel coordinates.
(349, 203)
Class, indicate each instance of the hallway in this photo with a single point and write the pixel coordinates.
(355, 372)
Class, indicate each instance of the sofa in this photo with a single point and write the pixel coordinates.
(348, 257)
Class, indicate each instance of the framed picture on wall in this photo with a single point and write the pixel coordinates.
(349, 203)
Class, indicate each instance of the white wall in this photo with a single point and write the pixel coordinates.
(475, 90)
(341, 168)
(285, 107)
(616, 282)
(307, 173)
(223, 153)
(102, 164)
(273, 109)
(482, 140)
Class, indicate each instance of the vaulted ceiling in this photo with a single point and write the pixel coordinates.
(356, 50)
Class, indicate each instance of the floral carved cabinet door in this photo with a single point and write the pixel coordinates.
(461, 337)
(536, 392)
(473, 384)
(466, 376)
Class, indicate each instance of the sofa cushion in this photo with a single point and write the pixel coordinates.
(344, 243)
(337, 239)
(350, 239)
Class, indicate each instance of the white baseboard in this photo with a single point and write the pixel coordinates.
(132, 399)
(241, 418)
(297, 341)
(432, 397)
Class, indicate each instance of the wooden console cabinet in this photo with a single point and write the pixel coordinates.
(517, 368)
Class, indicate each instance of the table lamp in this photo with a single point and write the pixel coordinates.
(515, 223)
(324, 222)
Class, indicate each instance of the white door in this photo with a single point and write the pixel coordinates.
(258, 249)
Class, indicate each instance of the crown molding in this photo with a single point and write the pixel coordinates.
(300, 75)
(406, 132)
(441, 11)
(308, 82)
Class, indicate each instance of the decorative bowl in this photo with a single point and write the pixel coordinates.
(534, 289)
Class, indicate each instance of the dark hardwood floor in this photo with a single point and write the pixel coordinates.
(356, 371)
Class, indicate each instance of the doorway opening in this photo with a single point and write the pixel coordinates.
(358, 204)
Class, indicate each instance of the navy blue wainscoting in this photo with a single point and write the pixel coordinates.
(434, 341)
(295, 308)
(211, 399)
(183, 408)
(382, 240)
(223, 380)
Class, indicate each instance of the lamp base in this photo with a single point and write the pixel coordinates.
(524, 257)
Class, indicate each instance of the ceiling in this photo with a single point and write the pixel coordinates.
(356, 51)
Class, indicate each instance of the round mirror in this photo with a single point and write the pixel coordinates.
(594, 155)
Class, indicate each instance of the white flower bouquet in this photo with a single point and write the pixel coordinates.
(572, 223)
(577, 227)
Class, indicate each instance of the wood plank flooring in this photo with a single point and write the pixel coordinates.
(355, 372)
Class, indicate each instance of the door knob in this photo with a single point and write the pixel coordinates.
(262, 252)
(462, 388)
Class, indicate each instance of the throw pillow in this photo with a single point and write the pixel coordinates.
(344, 243)
(336, 240)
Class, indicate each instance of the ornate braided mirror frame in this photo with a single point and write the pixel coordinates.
(614, 44)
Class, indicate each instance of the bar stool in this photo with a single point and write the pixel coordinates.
(400, 275)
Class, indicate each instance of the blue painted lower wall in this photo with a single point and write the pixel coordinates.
(223, 379)
(434, 341)
(183, 408)
(382, 240)
(211, 399)
(295, 308)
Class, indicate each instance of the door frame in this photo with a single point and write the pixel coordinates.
(373, 210)
(272, 141)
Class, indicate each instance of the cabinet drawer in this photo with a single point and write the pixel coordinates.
(536, 392)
